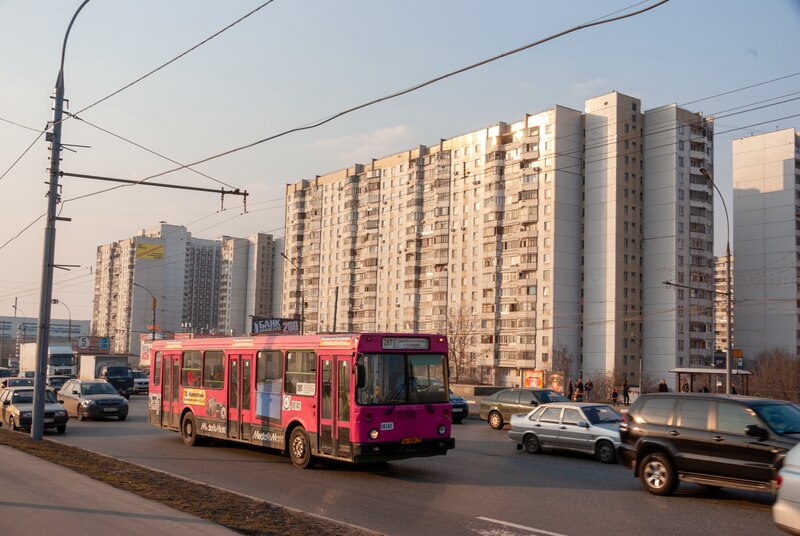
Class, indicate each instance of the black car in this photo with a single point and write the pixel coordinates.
(711, 440)
(458, 408)
(499, 407)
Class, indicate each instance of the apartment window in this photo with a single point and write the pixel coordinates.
(680, 161)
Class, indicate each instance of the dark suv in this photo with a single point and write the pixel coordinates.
(711, 440)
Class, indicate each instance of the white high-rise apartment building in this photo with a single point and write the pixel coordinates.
(721, 304)
(249, 284)
(678, 242)
(165, 262)
(534, 230)
(766, 205)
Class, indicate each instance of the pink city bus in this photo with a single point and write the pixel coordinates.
(354, 397)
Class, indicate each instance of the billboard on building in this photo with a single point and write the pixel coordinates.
(266, 325)
(149, 251)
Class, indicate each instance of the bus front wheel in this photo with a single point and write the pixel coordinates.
(189, 431)
(300, 449)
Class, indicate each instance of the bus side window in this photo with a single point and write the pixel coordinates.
(214, 369)
(301, 373)
(157, 369)
(190, 368)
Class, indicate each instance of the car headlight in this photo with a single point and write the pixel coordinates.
(124, 402)
(61, 413)
(25, 414)
(442, 429)
(87, 403)
(373, 434)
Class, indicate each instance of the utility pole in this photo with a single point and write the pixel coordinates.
(53, 198)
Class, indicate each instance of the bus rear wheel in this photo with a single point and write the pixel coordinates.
(300, 449)
(189, 431)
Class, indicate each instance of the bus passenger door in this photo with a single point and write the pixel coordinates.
(170, 404)
(334, 414)
(239, 396)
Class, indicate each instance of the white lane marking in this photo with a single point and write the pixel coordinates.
(523, 527)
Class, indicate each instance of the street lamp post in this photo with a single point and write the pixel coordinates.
(155, 303)
(69, 314)
(299, 295)
(728, 356)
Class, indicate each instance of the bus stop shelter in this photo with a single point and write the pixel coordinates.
(714, 378)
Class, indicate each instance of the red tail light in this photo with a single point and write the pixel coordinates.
(780, 481)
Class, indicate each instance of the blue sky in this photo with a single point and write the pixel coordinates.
(296, 61)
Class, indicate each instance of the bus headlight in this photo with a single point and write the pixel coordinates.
(373, 434)
(442, 429)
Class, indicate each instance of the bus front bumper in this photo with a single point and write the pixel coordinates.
(380, 452)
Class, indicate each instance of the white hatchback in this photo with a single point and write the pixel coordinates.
(786, 510)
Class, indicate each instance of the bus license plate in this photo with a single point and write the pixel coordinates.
(411, 440)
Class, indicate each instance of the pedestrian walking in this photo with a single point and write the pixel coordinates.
(570, 390)
(662, 387)
(579, 391)
(626, 393)
(614, 396)
(588, 389)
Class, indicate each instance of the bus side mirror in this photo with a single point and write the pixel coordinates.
(361, 376)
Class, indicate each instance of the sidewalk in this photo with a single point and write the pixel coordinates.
(40, 497)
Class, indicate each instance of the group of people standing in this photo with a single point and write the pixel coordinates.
(582, 392)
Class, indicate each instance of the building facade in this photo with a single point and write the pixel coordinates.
(721, 304)
(534, 230)
(766, 204)
(249, 283)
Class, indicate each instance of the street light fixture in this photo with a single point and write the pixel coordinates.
(728, 356)
(69, 313)
(155, 303)
(299, 295)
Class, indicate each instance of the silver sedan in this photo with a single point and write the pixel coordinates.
(581, 427)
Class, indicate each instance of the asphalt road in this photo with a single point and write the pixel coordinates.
(485, 486)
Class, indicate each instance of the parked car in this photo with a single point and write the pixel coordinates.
(458, 408)
(27, 374)
(92, 399)
(7, 372)
(16, 382)
(498, 408)
(711, 440)
(16, 409)
(786, 510)
(141, 382)
(55, 382)
(576, 426)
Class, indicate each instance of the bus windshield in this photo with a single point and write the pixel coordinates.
(391, 379)
(61, 360)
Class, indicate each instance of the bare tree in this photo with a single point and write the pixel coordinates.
(563, 360)
(462, 337)
(776, 374)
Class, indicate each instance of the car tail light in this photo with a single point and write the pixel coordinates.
(780, 481)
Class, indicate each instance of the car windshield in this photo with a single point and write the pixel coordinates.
(98, 389)
(56, 381)
(390, 379)
(602, 415)
(61, 360)
(782, 418)
(551, 396)
(20, 381)
(119, 372)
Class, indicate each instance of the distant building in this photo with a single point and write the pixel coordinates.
(721, 304)
(766, 204)
(554, 233)
(15, 330)
(197, 288)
